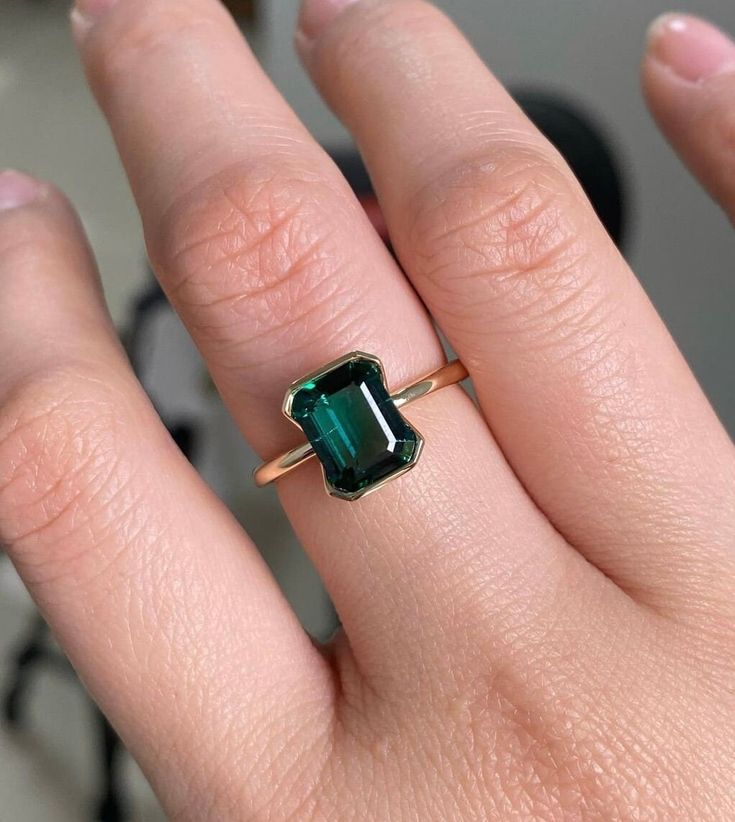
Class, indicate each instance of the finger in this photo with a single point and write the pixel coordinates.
(689, 81)
(160, 601)
(276, 271)
(582, 386)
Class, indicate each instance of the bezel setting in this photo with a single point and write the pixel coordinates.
(314, 378)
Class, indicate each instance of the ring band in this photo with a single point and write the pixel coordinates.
(353, 425)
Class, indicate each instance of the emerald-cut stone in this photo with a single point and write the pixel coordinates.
(353, 425)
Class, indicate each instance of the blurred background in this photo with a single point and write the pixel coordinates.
(572, 63)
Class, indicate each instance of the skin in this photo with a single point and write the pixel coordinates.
(538, 619)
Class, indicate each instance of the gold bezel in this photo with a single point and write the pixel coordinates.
(320, 372)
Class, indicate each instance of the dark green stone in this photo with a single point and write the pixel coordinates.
(353, 426)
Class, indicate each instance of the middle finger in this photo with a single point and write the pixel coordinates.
(578, 378)
(267, 256)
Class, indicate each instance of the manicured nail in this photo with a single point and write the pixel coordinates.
(692, 48)
(17, 190)
(86, 14)
(315, 16)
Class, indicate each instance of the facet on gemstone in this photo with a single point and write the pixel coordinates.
(356, 431)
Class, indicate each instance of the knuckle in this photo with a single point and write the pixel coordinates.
(23, 244)
(60, 447)
(31, 239)
(503, 227)
(135, 39)
(397, 26)
(251, 253)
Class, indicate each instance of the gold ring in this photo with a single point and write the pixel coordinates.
(352, 424)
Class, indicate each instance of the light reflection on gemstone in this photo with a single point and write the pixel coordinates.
(353, 426)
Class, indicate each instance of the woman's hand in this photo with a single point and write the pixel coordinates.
(539, 619)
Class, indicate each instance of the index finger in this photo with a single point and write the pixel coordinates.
(162, 604)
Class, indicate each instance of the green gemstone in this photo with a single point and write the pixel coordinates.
(353, 426)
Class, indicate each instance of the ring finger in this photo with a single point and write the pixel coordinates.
(268, 258)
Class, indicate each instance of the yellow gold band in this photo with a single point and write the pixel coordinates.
(448, 374)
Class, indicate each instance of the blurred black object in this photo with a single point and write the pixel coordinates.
(242, 9)
(34, 652)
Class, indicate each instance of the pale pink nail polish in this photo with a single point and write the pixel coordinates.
(315, 16)
(690, 47)
(85, 14)
(17, 190)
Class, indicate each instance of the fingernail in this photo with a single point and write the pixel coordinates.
(692, 48)
(85, 15)
(315, 16)
(17, 190)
